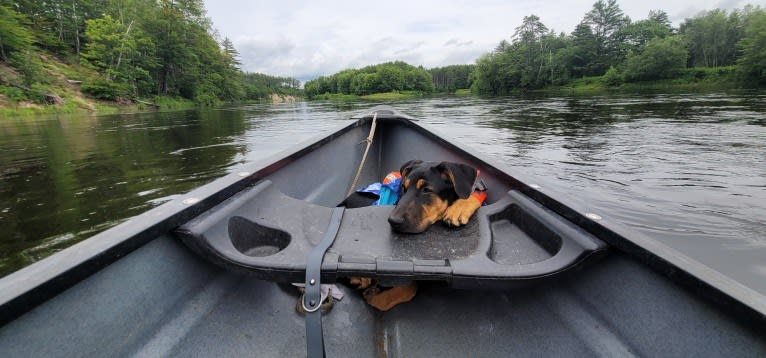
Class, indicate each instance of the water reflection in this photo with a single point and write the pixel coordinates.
(66, 178)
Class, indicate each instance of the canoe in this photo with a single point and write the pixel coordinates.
(533, 274)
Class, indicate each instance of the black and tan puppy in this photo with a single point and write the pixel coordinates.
(430, 192)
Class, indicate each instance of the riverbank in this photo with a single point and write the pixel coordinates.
(58, 90)
(691, 80)
(60, 87)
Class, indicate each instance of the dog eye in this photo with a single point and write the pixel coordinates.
(426, 190)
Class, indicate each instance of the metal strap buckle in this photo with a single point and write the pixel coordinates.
(322, 297)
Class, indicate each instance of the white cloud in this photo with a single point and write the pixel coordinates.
(305, 39)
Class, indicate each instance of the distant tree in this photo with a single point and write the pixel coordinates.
(659, 17)
(14, 35)
(634, 36)
(260, 86)
(529, 42)
(451, 78)
(108, 41)
(384, 77)
(231, 82)
(753, 46)
(230, 54)
(120, 52)
(612, 77)
(583, 60)
(662, 58)
(713, 37)
(606, 19)
(502, 46)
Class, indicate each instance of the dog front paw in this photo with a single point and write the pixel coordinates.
(360, 282)
(461, 211)
(386, 300)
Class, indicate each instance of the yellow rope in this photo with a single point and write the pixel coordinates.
(364, 156)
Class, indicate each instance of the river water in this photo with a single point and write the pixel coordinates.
(685, 169)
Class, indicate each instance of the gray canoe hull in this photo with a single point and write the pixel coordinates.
(162, 300)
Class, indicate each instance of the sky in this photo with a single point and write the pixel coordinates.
(305, 39)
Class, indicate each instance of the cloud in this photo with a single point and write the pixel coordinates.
(409, 48)
(457, 43)
(260, 55)
(434, 25)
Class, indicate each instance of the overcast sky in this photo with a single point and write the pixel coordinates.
(305, 39)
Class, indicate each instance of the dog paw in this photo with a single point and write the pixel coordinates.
(461, 211)
(386, 300)
(360, 282)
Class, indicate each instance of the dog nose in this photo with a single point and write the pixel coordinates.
(396, 221)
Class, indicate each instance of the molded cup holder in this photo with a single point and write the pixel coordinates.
(256, 240)
(519, 238)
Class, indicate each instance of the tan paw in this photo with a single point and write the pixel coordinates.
(360, 282)
(461, 211)
(386, 300)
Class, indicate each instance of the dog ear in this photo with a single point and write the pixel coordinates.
(408, 166)
(462, 177)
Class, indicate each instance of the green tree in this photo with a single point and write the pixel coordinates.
(582, 61)
(659, 17)
(123, 53)
(529, 42)
(662, 58)
(606, 19)
(231, 81)
(753, 46)
(713, 37)
(634, 36)
(259, 86)
(612, 77)
(14, 35)
(384, 77)
(451, 78)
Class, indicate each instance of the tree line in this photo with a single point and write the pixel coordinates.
(380, 78)
(392, 76)
(138, 48)
(608, 43)
(448, 79)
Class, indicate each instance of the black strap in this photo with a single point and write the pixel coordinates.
(312, 298)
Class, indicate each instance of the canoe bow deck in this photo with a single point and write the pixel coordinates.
(139, 291)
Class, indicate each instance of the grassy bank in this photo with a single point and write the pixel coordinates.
(691, 79)
(58, 90)
(93, 107)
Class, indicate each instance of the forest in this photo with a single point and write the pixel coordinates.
(607, 43)
(129, 50)
(122, 50)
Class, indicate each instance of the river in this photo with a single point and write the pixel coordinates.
(685, 169)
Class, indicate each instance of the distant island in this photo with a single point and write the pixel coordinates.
(108, 56)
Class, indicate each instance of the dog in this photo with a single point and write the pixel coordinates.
(433, 192)
(429, 192)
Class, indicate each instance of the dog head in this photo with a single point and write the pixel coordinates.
(427, 190)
